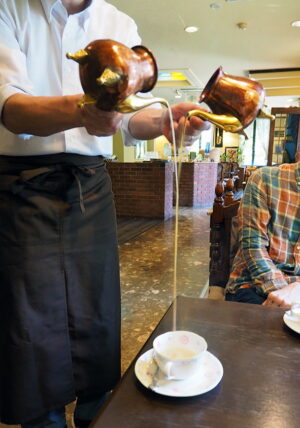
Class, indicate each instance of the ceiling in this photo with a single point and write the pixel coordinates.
(268, 42)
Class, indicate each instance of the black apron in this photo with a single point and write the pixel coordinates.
(59, 283)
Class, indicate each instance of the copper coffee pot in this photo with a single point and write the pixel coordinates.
(235, 102)
(111, 74)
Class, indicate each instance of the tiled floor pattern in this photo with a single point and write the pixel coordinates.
(147, 274)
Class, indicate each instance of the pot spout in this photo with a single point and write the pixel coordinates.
(129, 105)
(226, 122)
(135, 103)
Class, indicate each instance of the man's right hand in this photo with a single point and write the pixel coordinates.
(99, 122)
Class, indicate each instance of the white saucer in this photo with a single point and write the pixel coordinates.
(291, 322)
(151, 377)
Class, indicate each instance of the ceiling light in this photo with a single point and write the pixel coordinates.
(242, 25)
(177, 78)
(191, 29)
(295, 24)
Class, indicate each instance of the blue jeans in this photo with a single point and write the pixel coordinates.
(245, 295)
(86, 409)
(54, 419)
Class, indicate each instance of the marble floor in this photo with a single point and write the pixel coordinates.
(147, 266)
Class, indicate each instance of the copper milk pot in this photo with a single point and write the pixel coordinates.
(111, 74)
(234, 101)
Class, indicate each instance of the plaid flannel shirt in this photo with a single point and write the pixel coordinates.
(268, 256)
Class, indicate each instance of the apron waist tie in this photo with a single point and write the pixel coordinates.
(81, 202)
(37, 176)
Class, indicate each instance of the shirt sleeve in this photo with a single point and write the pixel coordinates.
(254, 217)
(133, 39)
(128, 139)
(13, 71)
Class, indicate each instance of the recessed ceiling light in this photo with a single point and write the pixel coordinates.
(295, 24)
(215, 6)
(242, 25)
(191, 29)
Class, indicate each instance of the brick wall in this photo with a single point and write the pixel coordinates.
(205, 180)
(197, 184)
(142, 189)
(186, 185)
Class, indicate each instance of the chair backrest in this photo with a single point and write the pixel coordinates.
(222, 226)
(232, 170)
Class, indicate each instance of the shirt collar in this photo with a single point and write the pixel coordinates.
(49, 6)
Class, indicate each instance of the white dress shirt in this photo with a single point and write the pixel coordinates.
(35, 36)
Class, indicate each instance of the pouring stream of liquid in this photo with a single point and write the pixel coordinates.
(177, 171)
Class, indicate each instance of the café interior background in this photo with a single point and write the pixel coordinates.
(242, 36)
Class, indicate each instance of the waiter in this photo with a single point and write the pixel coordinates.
(59, 273)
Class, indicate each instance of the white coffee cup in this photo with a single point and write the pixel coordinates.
(178, 354)
(295, 311)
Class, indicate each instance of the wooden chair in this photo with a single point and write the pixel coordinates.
(237, 173)
(222, 231)
(240, 179)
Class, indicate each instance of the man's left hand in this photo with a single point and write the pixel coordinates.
(194, 125)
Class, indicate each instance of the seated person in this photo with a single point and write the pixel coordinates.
(266, 267)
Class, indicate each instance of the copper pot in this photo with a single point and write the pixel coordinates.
(110, 73)
(234, 101)
(239, 96)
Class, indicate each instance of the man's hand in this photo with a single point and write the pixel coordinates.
(194, 125)
(99, 122)
(284, 297)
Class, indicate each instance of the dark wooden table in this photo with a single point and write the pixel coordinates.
(261, 383)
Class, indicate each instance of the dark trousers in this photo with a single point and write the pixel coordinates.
(85, 410)
(245, 295)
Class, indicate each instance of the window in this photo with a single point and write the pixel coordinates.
(256, 146)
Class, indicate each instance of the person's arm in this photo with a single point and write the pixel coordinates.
(254, 217)
(42, 116)
(284, 297)
(24, 111)
(151, 123)
(25, 114)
